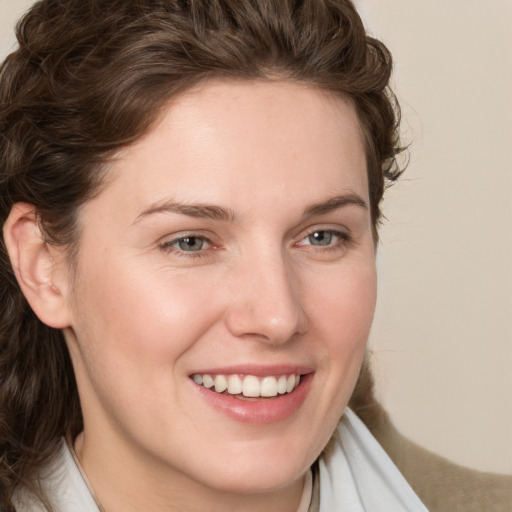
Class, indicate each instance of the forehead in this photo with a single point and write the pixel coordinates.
(236, 142)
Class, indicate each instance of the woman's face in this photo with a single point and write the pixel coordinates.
(233, 243)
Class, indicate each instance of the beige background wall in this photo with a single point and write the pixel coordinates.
(443, 330)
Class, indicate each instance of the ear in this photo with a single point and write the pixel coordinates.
(40, 268)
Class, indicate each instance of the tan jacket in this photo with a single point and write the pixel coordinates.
(442, 485)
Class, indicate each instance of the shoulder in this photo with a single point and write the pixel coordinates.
(442, 485)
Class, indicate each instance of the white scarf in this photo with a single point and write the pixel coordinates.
(358, 475)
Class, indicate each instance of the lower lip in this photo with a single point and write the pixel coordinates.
(259, 412)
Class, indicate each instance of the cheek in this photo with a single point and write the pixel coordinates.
(133, 332)
(146, 314)
(133, 328)
(341, 312)
(343, 303)
(342, 315)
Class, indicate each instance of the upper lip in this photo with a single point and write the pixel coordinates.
(256, 370)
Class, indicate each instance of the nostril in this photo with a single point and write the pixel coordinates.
(260, 324)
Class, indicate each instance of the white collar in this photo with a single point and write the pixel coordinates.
(64, 485)
(359, 476)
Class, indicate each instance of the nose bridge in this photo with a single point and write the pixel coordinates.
(266, 298)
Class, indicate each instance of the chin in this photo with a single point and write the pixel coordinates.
(260, 467)
(252, 479)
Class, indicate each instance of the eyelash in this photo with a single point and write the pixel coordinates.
(344, 240)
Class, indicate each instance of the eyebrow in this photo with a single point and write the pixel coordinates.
(335, 203)
(199, 210)
(214, 212)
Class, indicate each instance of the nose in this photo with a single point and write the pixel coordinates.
(265, 301)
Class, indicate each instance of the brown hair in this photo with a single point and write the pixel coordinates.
(91, 76)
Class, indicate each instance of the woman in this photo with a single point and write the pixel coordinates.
(190, 202)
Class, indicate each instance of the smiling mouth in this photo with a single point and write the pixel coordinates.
(248, 386)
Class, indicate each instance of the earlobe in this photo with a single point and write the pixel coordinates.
(39, 267)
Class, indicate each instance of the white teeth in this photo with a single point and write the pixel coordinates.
(249, 386)
(208, 381)
(234, 385)
(290, 384)
(281, 384)
(269, 386)
(221, 384)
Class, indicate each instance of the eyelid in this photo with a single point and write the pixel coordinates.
(170, 238)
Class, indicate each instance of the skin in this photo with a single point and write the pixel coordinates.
(145, 313)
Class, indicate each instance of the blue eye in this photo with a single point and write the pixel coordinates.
(188, 246)
(326, 238)
(322, 238)
(190, 243)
